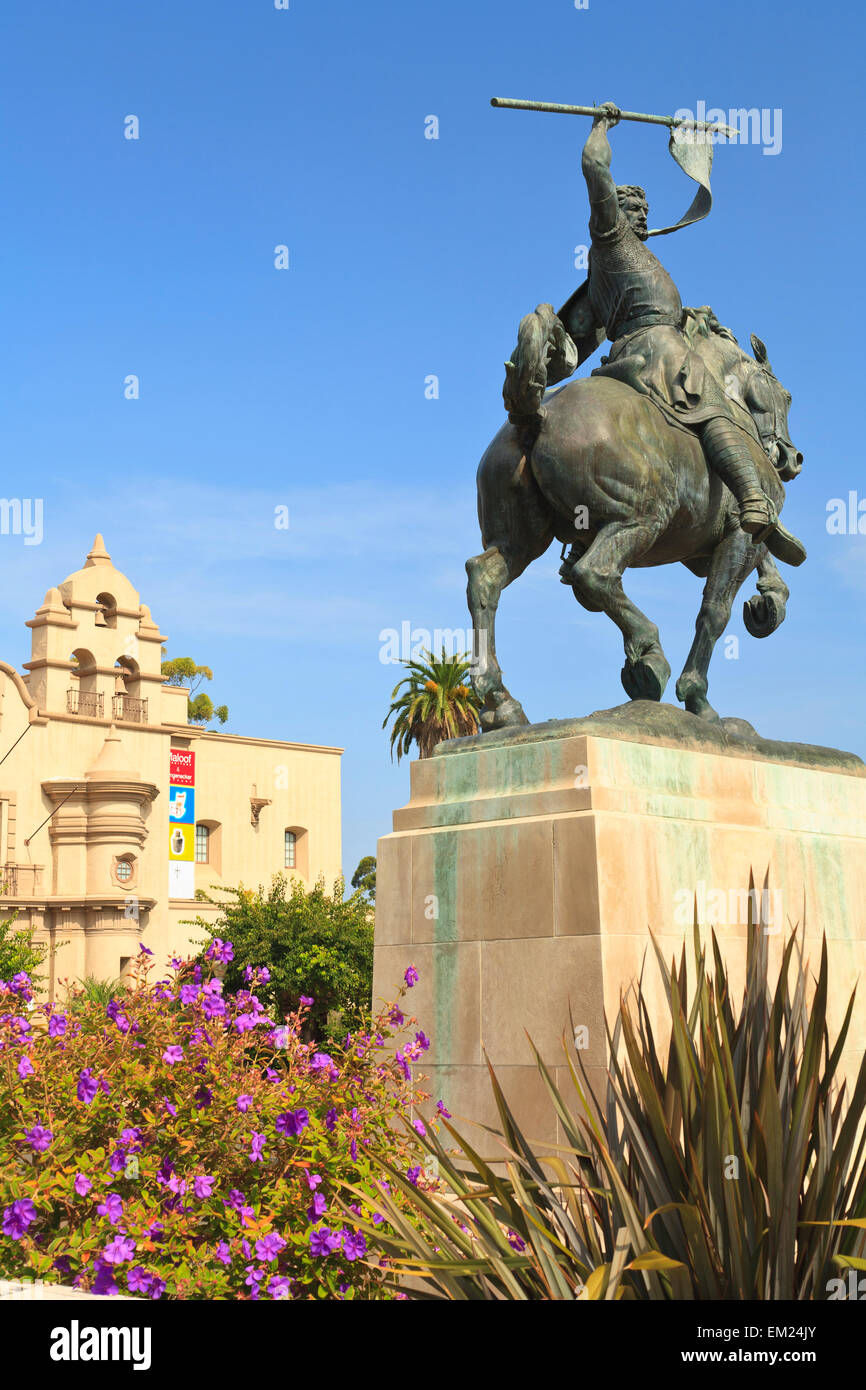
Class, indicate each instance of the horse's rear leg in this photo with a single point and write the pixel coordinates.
(488, 575)
(597, 582)
(733, 559)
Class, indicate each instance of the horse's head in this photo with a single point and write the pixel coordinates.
(768, 402)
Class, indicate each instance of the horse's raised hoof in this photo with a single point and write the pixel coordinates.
(763, 613)
(503, 716)
(647, 677)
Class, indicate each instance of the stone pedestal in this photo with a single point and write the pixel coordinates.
(524, 874)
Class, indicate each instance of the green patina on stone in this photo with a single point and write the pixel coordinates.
(446, 983)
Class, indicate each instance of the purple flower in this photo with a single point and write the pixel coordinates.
(269, 1247)
(223, 1253)
(280, 1037)
(82, 1184)
(164, 1171)
(317, 1207)
(144, 949)
(413, 1175)
(220, 950)
(279, 1286)
(117, 1163)
(112, 1207)
(236, 1199)
(258, 1147)
(87, 1087)
(119, 1250)
(176, 962)
(307, 1001)
(320, 1062)
(203, 1097)
(25, 1066)
(423, 1041)
(314, 1180)
(213, 1006)
(403, 1064)
(157, 1287)
(420, 1127)
(354, 1245)
(203, 1187)
(353, 1150)
(176, 1184)
(292, 1122)
(188, 994)
(156, 1231)
(39, 1138)
(104, 1281)
(254, 1278)
(131, 1138)
(173, 1054)
(411, 976)
(18, 1217)
(138, 1280)
(162, 990)
(57, 1025)
(172, 1109)
(515, 1241)
(244, 1103)
(440, 1106)
(331, 1119)
(324, 1241)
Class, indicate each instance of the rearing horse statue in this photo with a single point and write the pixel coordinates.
(676, 449)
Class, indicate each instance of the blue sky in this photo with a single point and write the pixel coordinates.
(409, 257)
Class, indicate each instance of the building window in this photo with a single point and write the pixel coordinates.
(202, 835)
(124, 870)
(291, 840)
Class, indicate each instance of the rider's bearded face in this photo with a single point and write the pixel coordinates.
(636, 210)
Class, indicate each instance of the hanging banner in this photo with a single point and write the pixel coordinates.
(181, 823)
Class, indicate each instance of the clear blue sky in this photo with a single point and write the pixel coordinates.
(408, 257)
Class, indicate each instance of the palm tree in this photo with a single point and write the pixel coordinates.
(437, 703)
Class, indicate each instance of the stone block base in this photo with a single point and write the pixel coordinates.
(524, 875)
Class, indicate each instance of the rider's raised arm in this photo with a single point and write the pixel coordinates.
(596, 170)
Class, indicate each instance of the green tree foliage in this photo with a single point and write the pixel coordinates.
(313, 943)
(200, 709)
(364, 877)
(437, 703)
(18, 950)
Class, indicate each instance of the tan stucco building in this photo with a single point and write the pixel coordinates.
(114, 810)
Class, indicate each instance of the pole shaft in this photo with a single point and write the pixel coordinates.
(597, 111)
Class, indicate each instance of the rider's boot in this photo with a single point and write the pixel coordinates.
(730, 457)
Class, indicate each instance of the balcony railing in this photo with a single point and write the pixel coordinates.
(87, 702)
(127, 707)
(8, 880)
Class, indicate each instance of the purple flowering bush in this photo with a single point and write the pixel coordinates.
(180, 1143)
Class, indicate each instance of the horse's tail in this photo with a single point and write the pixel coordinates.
(544, 354)
(765, 611)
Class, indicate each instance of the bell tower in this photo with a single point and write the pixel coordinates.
(95, 650)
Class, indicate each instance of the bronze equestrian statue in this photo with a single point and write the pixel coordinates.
(675, 448)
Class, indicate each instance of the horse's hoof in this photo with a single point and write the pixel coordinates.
(506, 714)
(763, 613)
(704, 710)
(646, 678)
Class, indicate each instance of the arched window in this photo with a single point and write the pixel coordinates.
(106, 614)
(202, 844)
(82, 697)
(290, 849)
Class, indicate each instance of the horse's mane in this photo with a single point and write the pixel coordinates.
(701, 323)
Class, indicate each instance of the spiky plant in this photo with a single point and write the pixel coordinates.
(730, 1166)
(437, 703)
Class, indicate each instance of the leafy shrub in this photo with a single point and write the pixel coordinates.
(178, 1143)
(18, 950)
(731, 1168)
(313, 943)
